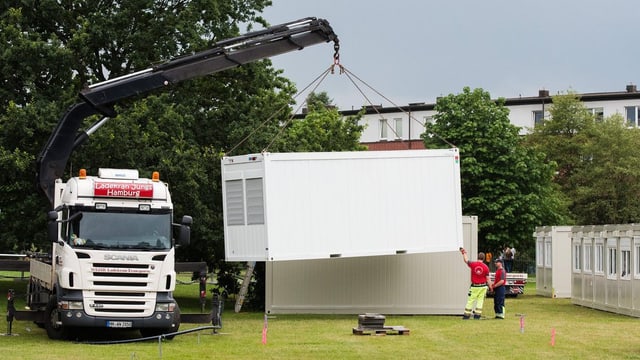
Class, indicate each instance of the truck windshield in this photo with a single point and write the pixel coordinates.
(122, 231)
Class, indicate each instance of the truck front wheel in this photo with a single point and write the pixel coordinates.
(55, 329)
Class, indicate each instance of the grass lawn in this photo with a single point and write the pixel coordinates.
(580, 333)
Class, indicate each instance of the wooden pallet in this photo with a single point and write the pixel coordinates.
(386, 330)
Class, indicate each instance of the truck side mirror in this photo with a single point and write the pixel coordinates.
(185, 230)
(52, 226)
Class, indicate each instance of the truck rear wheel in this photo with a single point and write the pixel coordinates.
(55, 329)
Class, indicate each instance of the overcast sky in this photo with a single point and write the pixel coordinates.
(417, 50)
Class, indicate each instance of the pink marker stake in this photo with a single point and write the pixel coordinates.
(264, 330)
(553, 336)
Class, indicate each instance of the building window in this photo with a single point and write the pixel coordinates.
(398, 127)
(599, 259)
(538, 117)
(587, 256)
(383, 129)
(631, 113)
(577, 258)
(598, 113)
(612, 262)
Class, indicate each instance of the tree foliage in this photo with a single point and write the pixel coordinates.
(507, 185)
(322, 129)
(598, 167)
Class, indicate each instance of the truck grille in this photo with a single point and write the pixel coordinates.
(121, 289)
(124, 266)
(117, 283)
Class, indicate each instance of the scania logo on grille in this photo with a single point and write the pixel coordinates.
(121, 257)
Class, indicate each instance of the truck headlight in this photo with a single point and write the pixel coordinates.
(71, 305)
(168, 307)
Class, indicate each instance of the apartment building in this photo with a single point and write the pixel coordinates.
(393, 128)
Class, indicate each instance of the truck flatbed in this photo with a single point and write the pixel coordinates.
(515, 283)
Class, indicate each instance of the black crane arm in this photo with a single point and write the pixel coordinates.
(101, 97)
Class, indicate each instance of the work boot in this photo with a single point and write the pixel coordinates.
(500, 316)
(476, 317)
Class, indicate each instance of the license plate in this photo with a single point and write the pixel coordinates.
(119, 324)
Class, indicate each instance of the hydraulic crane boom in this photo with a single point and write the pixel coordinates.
(100, 98)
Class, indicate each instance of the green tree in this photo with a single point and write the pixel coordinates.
(562, 137)
(507, 185)
(606, 188)
(322, 129)
(318, 100)
(598, 167)
(14, 203)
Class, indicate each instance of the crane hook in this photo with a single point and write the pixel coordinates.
(336, 57)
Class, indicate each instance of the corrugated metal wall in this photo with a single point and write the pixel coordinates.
(432, 283)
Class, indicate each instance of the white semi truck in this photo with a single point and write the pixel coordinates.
(111, 263)
(112, 258)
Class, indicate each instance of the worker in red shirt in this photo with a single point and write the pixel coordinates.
(480, 281)
(499, 289)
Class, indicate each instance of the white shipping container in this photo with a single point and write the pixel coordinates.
(296, 206)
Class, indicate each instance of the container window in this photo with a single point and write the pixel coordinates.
(636, 270)
(577, 258)
(612, 262)
(540, 254)
(599, 259)
(587, 256)
(547, 254)
(625, 264)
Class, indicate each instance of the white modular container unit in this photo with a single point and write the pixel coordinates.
(610, 271)
(605, 265)
(432, 283)
(553, 261)
(588, 266)
(295, 206)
